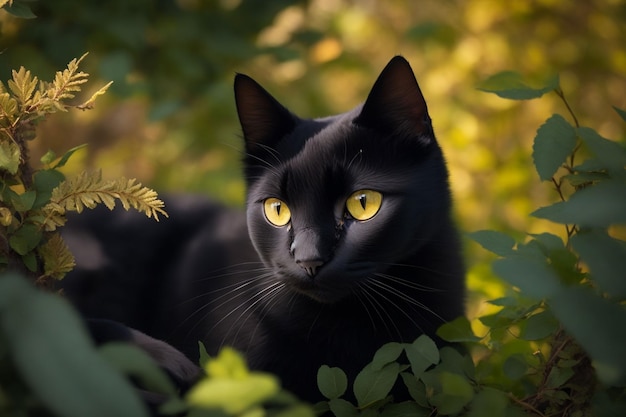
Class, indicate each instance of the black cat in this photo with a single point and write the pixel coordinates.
(347, 242)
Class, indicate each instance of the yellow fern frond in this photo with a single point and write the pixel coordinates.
(57, 258)
(88, 190)
(23, 85)
(68, 81)
(87, 105)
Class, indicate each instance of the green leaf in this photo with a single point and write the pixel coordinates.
(422, 353)
(489, 402)
(48, 157)
(548, 242)
(600, 205)
(332, 382)
(559, 376)
(374, 385)
(457, 392)
(19, 9)
(533, 276)
(67, 156)
(10, 156)
(606, 259)
(342, 408)
(593, 322)
(458, 330)
(30, 261)
(610, 153)
(584, 178)
(496, 242)
(44, 182)
(130, 360)
(416, 388)
(386, 354)
(539, 326)
(511, 85)
(515, 367)
(25, 201)
(621, 113)
(204, 356)
(554, 142)
(25, 239)
(54, 355)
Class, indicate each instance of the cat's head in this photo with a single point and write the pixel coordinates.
(332, 201)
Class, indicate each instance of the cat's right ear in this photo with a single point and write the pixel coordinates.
(264, 121)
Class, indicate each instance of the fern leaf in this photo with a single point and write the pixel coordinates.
(57, 258)
(23, 85)
(8, 109)
(87, 105)
(68, 81)
(88, 189)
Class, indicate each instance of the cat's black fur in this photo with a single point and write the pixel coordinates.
(323, 289)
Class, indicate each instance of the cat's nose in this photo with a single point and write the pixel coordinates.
(310, 266)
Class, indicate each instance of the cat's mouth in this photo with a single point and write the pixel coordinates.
(312, 290)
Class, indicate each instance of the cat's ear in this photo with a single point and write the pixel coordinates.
(263, 119)
(396, 104)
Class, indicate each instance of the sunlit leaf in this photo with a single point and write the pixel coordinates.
(554, 142)
(10, 156)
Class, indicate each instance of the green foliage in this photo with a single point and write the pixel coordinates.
(34, 203)
(556, 345)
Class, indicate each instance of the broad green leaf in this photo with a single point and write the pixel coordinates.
(342, 408)
(25, 239)
(48, 157)
(332, 382)
(539, 326)
(53, 354)
(44, 182)
(621, 113)
(612, 154)
(594, 323)
(533, 276)
(504, 301)
(455, 362)
(600, 205)
(489, 402)
(9, 157)
(554, 142)
(458, 330)
(496, 242)
(511, 85)
(606, 259)
(386, 354)
(25, 201)
(374, 385)
(416, 388)
(549, 242)
(30, 261)
(422, 354)
(515, 367)
(130, 360)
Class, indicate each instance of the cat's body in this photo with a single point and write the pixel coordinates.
(350, 246)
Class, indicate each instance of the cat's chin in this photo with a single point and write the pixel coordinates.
(313, 291)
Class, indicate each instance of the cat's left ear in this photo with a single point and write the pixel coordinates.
(396, 104)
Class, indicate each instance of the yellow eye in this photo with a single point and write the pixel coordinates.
(364, 204)
(276, 211)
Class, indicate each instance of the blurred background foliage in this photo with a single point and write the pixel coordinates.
(169, 119)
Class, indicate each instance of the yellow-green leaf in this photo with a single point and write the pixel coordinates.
(9, 157)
